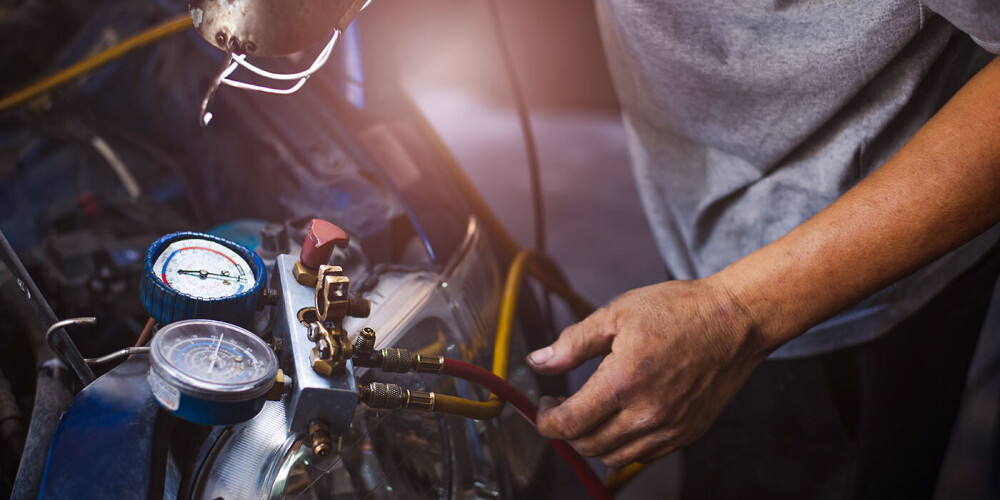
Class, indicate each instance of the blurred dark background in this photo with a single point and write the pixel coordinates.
(555, 45)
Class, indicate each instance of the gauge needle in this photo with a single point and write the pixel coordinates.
(205, 274)
(215, 355)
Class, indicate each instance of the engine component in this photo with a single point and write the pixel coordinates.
(110, 442)
(210, 372)
(332, 396)
(332, 349)
(391, 359)
(191, 275)
(270, 28)
(319, 437)
(317, 246)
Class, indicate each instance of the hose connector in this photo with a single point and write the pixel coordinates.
(427, 364)
(319, 438)
(395, 360)
(379, 395)
(365, 343)
(420, 400)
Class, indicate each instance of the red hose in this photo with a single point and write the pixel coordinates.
(527, 408)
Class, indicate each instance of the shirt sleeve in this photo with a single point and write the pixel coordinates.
(979, 18)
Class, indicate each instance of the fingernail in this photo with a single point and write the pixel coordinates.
(541, 356)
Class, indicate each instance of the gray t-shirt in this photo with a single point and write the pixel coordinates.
(744, 119)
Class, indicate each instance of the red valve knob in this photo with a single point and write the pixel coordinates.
(321, 237)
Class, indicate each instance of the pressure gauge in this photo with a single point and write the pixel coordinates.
(210, 372)
(195, 275)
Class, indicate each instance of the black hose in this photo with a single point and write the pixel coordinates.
(52, 394)
(521, 103)
(12, 432)
(53, 388)
(37, 303)
(14, 302)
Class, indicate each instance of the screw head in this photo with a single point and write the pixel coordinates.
(249, 47)
(220, 38)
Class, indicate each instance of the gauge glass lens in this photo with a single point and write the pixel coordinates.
(204, 269)
(217, 355)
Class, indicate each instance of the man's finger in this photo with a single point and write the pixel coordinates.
(645, 448)
(578, 343)
(592, 405)
(628, 425)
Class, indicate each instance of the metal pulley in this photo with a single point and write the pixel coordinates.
(271, 27)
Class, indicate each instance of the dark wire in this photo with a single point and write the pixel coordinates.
(526, 130)
(534, 170)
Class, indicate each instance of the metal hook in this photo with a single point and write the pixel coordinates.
(50, 337)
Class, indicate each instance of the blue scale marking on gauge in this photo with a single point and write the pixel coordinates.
(211, 344)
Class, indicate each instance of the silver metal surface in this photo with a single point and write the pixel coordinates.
(332, 398)
(121, 353)
(246, 460)
(271, 27)
(70, 356)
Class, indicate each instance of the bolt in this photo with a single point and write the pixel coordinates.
(220, 39)
(324, 349)
(312, 332)
(249, 47)
(319, 438)
(271, 297)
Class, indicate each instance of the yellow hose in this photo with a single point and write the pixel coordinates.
(479, 410)
(618, 478)
(545, 271)
(158, 32)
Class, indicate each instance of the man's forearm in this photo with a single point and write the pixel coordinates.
(940, 190)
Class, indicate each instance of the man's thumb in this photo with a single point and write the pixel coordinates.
(576, 344)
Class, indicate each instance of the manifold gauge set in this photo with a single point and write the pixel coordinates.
(207, 368)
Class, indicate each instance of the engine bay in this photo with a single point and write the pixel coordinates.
(106, 180)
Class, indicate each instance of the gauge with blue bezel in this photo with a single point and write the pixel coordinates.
(192, 275)
(210, 372)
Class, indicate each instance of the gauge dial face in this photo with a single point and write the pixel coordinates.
(215, 354)
(204, 269)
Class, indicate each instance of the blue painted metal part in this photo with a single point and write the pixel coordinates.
(244, 232)
(167, 305)
(112, 440)
(213, 412)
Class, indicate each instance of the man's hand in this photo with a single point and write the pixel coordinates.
(676, 353)
(680, 350)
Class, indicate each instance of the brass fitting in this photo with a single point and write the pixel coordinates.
(379, 395)
(319, 438)
(382, 396)
(332, 293)
(395, 360)
(305, 275)
(332, 349)
(428, 364)
(419, 400)
(365, 343)
(281, 382)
